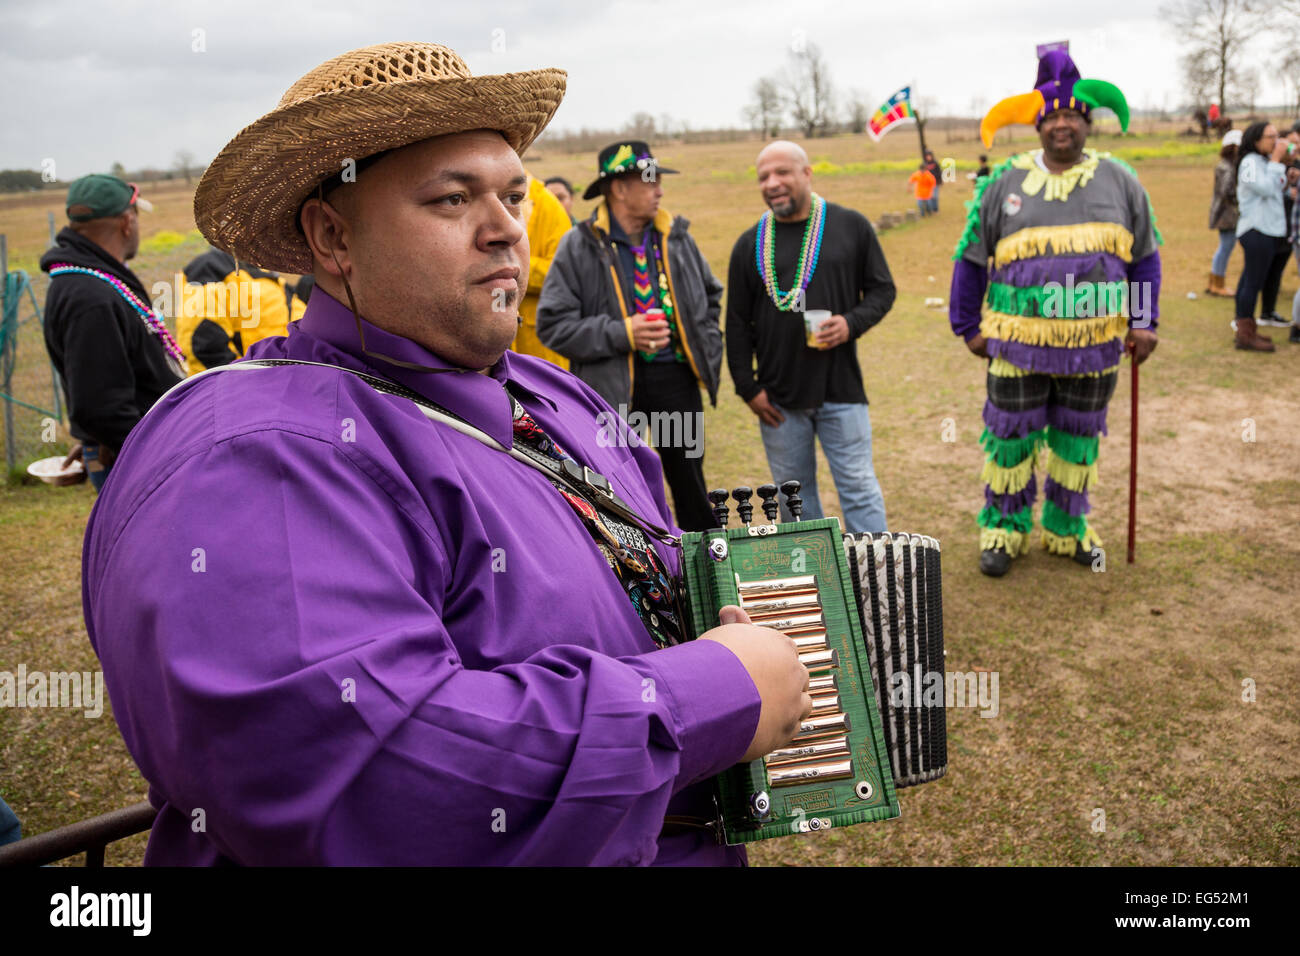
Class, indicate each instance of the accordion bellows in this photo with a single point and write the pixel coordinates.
(900, 597)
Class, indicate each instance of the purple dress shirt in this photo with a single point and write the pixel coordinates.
(335, 632)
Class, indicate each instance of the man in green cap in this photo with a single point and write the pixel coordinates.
(110, 346)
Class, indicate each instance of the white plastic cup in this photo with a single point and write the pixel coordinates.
(813, 320)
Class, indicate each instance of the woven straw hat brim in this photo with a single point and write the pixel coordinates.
(248, 199)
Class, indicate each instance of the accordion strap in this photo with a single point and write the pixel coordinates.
(578, 478)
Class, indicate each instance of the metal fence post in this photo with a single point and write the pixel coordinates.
(5, 362)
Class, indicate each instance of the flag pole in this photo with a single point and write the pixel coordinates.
(920, 123)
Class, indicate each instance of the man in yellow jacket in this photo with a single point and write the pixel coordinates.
(227, 306)
(547, 224)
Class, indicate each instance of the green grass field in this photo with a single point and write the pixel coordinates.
(1121, 691)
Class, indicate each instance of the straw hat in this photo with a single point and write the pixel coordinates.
(353, 106)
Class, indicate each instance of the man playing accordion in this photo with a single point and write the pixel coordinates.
(450, 641)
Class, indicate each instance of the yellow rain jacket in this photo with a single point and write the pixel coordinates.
(547, 224)
(223, 311)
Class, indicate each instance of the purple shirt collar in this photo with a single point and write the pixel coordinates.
(475, 397)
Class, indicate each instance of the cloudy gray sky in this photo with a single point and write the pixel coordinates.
(87, 85)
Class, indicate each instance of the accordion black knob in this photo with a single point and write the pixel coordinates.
(792, 500)
(743, 507)
(718, 498)
(770, 505)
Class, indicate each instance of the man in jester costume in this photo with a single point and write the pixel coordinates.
(1056, 275)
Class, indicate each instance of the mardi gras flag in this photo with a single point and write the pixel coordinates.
(893, 112)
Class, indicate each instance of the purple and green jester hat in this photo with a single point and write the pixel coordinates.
(1059, 87)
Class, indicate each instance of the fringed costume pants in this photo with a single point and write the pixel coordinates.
(1025, 412)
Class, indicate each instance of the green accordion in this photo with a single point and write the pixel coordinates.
(798, 577)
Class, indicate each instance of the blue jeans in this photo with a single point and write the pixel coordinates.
(1227, 239)
(90, 461)
(934, 199)
(845, 432)
(923, 206)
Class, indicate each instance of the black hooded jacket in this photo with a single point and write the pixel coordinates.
(113, 366)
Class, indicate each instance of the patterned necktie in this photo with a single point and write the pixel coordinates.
(647, 294)
(629, 553)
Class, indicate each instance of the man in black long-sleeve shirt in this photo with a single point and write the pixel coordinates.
(114, 363)
(800, 393)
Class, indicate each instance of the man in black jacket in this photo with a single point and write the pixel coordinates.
(632, 304)
(112, 350)
(808, 255)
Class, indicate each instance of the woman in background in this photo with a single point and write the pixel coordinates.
(1261, 230)
(1223, 212)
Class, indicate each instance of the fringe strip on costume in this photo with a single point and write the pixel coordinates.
(1073, 503)
(1008, 452)
(1004, 369)
(1054, 333)
(1056, 186)
(1074, 421)
(1022, 520)
(1005, 481)
(1085, 300)
(971, 234)
(1061, 524)
(1054, 361)
(1013, 542)
(1007, 424)
(1067, 473)
(1057, 544)
(1009, 504)
(1034, 241)
(1102, 266)
(1077, 449)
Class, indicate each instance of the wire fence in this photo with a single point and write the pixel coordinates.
(35, 422)
(29, 386)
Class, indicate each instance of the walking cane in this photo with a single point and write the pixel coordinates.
(1133, 462)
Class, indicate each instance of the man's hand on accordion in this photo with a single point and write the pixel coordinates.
(773, 665)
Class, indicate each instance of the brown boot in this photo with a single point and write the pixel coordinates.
(1218, 288)
(1249, 340)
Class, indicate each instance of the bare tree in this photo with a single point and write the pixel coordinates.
(184, 163)
(1289, 68)
(858, 111)
(1287, 24)
(1248, 83)
(1215, 34)
(1199, 79)
(641, 126)
(809, 91)
(764, 112)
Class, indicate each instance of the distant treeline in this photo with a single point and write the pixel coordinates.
(27, 180)
(953, 128)
(21, 181)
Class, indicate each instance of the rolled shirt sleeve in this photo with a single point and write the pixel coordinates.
(287, 668)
